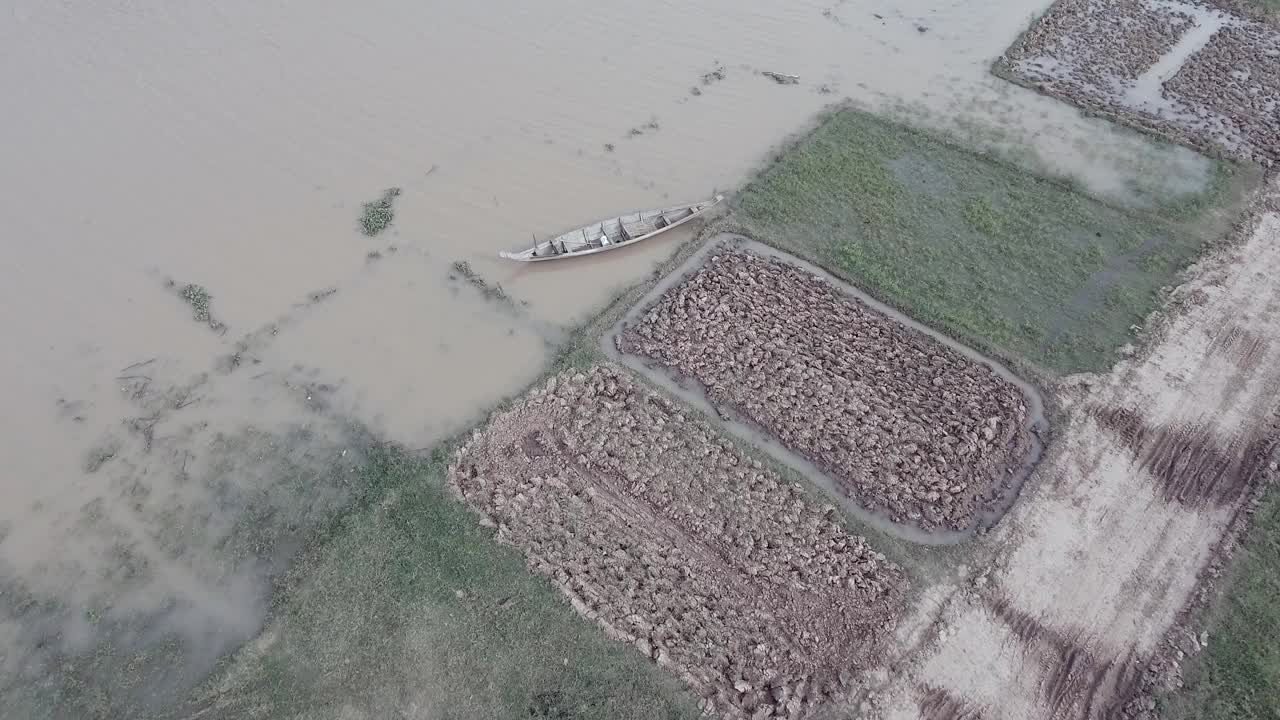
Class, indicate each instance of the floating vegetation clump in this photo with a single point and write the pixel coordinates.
(198, 298)
(490, 292)
(379, 213)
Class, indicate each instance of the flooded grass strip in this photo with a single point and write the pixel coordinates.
(463, 270)
(742, 584)
(405, 604)
(1007, 262)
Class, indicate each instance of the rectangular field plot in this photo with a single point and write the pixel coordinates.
(744, 585)
(907, 425)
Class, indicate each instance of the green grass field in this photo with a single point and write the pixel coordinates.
(1238, 676)
(406, 603)
(1004, 260)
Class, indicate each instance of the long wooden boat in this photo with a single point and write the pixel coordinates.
(613, 233)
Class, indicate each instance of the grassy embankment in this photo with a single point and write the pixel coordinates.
(1022, 266)
(1237, 677)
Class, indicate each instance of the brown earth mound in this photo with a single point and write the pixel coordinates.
(671, 539)
(904, 423)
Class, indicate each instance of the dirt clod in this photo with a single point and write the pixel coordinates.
(679, 545)
(905, 424)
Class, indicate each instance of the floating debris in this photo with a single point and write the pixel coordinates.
(200, 300)
(490, 292)
(781, 78)
(379, 213)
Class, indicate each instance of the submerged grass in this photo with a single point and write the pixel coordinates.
(406, 605)
(490, 292)
(1237, 677)
(1020, 265)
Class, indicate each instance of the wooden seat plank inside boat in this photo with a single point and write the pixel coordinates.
(639, 228)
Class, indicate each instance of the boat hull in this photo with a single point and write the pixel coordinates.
(613, 233)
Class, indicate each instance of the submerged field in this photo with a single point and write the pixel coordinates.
(1003, 260)
(407, 608)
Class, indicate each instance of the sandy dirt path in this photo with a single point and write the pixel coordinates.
(1148, 471)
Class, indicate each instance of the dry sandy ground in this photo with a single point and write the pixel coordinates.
(1197, 74)
(1093, 567)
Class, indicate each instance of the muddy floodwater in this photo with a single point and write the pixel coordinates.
(160, 468)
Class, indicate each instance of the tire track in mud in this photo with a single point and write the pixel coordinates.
(1246, 348)
(1190, 463)
(1076, 682)
(940, 704)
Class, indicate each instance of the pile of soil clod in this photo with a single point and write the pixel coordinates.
(663, 532)
(905, 424)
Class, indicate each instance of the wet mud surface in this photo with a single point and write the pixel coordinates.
(744, 585)
(1194, 73)
(905, 424)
